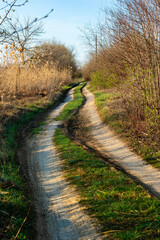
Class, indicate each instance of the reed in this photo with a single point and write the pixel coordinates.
(20, 75)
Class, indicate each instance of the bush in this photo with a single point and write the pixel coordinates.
(101, 79)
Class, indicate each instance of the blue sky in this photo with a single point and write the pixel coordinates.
(66, 19)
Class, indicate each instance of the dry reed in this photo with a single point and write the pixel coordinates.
(19, 75)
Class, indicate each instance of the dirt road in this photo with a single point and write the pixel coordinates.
(59, 215)
(108, 144)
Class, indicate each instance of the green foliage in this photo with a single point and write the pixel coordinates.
(74, 84)
(14, 204)
(103, 79)
(101, 98)
(15, 201)
(123, 207)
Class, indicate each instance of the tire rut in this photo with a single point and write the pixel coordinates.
(110, 147)
(59, 215)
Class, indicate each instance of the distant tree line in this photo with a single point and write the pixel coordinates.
(55, 53)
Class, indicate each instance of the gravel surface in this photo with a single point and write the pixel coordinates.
(59, 215)
(108, 144)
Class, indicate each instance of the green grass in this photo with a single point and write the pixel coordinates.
(15, 203)
(120, 124)
(68, 87)
(123, 207)
(15, 200)
(72, 105)
(39, 128)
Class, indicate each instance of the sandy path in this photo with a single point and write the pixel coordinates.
(109, 145)
(59, 215)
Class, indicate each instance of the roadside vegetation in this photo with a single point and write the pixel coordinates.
(109, 105)
(124, 61)
(16, 211)
(123, 70)
(123, 208)
(73, 105)
(22, 75)
(28, 87)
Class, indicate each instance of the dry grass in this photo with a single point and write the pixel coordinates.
(31, 80)
(26, 90)
(19, 75)
(23, 81)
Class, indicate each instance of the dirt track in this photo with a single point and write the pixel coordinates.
(109, 145)
(59, 215)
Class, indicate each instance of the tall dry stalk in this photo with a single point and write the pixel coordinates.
(20, 76)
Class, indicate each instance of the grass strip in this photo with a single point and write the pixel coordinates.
(72, 105)
(14, 198)
(142, 145)
(124, 208)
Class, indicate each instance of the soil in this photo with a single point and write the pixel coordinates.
(58, 212)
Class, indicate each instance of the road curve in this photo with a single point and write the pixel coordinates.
(59, 215)
(109, 145)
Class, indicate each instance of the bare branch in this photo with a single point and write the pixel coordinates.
(8, 7)
(4, 35)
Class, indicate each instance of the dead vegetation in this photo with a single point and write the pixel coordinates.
(22, 80)
(125, 53)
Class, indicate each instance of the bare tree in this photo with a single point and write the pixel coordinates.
(9, 7)
(131, 52)
(22, 35)
(6, 8)
(55, 53)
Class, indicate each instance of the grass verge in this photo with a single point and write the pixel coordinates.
(72, 105)
(112, 114)
(16, 212)
(124, 209)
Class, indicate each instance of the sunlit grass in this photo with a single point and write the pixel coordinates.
(123, 207)
(110, 113)
(72, 105)
(15, 201)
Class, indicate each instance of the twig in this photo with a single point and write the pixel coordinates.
(3, 212)
(22, 224)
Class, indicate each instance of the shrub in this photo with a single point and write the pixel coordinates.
(102, 79)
